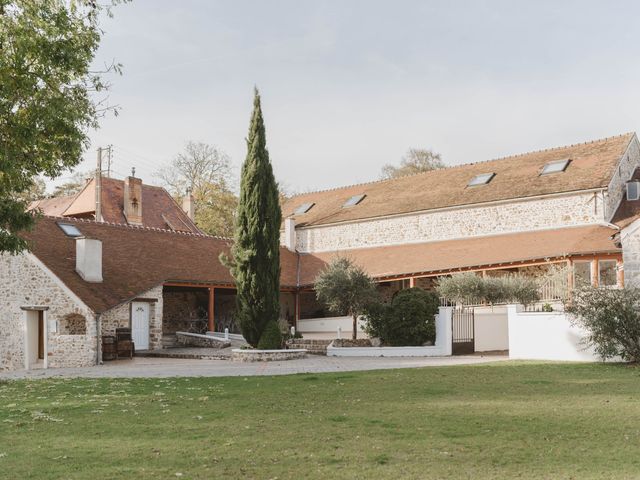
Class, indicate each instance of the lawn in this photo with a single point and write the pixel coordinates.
(504, 420)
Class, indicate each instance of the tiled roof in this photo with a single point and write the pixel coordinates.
(592, 166)
(452, 255)
(52, 206)
(136, 259)
(159, 209)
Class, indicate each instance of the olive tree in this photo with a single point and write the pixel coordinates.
(346, 289)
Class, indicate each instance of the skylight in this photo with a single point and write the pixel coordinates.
(481, 179)
(556, 166)
(70, 230)
(304, 208)
(356, 199)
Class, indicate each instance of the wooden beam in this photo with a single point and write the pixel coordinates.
(212, 306)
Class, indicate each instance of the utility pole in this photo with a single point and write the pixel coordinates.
(109, 161)
(98, 189)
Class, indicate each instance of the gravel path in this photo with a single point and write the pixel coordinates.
(171, 367)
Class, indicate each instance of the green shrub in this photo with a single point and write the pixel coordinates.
(470, 288)
(271, 338)
(611, 318)
(408, 320)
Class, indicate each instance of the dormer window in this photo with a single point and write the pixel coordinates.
(556, 166)
(482, 179)
(633, 190)
(304, 208)
(353, 201)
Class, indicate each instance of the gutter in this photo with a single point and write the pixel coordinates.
(98, 339)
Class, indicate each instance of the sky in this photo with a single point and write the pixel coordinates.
(348, 86)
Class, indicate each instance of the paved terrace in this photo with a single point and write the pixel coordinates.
(172, 367)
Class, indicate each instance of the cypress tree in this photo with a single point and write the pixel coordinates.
(256, 251)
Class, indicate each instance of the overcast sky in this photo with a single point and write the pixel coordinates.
(348, 86)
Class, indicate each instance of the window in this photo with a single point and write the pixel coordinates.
(607, 273)
(355, 200)
(582, 273)
(556, 166)
(304, 208)
(481, 179)
(633, 190)
(73, 324)
(70, 230)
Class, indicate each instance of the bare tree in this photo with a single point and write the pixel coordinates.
(416, 160)
(205, 171)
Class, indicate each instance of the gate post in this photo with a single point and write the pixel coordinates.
(444, 330)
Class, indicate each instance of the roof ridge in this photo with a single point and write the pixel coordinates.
(461, 165)
(135, 227)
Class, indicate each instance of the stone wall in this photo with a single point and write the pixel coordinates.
(617, 188)
(630, 238)
(24, 282)
(120, 316)
(500, 218)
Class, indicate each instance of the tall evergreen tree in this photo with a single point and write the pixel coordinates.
(256, 251)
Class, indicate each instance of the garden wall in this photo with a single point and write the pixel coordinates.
(491, 329)
(327, 328)
(545, 336)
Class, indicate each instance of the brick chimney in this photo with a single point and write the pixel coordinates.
(133, 200)
(188, 205)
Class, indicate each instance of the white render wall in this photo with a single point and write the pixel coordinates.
(24, 282)
(545, 336)
(505, 217)
(491, 328)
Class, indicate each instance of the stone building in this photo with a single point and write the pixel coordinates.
(576, 206)
(564, 206)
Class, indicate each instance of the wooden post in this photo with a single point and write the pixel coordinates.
(297, 309)
(212, 299)
(412, 282)
(620, 271)
(594, 272)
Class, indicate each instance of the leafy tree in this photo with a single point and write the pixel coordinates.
(205, 170)
(46, 98)
(470, 288)
(611, 317)
(346, 289)
(408, 320)
(416, 160)
(256, 250)
(37, 191)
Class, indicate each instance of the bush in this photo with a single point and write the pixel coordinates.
(470, 288)
(271, 338)
(407, 321)
(611, 318)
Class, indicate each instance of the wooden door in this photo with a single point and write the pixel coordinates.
(40, 335)
(140, 325)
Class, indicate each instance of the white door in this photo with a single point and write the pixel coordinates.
(140, 325)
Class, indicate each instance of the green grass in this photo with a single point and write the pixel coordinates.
(504, 420)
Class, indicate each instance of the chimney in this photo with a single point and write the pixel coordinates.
(89, 259)
(188, 205)
(133, 199)
(290, 233)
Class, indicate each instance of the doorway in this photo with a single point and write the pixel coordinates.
(35, 336)
(140, 325)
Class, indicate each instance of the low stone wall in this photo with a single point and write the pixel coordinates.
(251, 355)
(187, 339)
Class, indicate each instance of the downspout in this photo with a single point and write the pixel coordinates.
(98, 339)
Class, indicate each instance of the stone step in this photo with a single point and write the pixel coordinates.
(169, 341)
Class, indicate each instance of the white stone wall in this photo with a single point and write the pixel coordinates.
(120, 316)
(630, 238)
(617, 189)
(500, 218)
(23, 282)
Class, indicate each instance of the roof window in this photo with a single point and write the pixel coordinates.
(304, 208)
(481, 179)
(557, 166)
(353, 201)
(70, 230)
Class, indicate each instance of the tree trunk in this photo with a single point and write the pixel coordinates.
(354, 335)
